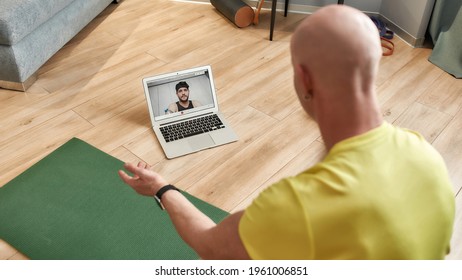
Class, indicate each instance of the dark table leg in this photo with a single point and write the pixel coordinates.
(273, 14)
(273, 17)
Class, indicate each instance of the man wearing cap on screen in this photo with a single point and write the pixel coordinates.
(183, 103)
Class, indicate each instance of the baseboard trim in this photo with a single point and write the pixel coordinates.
(307, 9)
(408, 38)
(19, 86)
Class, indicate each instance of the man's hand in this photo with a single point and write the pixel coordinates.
(144, 181)
(209, 240)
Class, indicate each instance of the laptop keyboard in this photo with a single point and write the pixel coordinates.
(191, 127)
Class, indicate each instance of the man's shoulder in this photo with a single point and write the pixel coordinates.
(282, 193)
(173, 107)
(196, 103)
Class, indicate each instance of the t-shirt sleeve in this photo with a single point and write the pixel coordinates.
(274, 226)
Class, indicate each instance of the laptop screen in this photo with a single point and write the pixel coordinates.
(180, 93)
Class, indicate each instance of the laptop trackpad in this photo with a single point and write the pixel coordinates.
(200, 142)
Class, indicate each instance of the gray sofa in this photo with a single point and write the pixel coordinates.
(31, 31)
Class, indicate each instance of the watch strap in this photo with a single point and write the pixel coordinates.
(161, 192)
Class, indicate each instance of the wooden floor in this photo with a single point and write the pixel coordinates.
(91, 89)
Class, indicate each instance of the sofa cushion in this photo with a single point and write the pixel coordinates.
(19, 18)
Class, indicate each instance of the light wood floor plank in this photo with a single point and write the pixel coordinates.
(246, 170)
(35, 143)
(249, 125)
(77, 57)
(118, 130)
(307, 158)
(106, 106)
(449, 144)
(185, 171)
(124, 155)
(279, 102)
(389, 65)
(427, 121)
(146, 147)
(444, 95)
(396, 94)
(456, 249)
(30, 112)
(18, 257)
(6, 250)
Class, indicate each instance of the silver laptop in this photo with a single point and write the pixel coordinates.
(184, 111)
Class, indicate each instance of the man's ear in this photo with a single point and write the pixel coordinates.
(303, 76)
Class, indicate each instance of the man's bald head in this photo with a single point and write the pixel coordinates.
(334, 45)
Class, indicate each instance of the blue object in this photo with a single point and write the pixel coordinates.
(384, 31)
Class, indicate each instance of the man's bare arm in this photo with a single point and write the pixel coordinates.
(209, 240)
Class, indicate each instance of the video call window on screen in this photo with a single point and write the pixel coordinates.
(164, 95)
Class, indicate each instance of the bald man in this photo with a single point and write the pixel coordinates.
(380, 193)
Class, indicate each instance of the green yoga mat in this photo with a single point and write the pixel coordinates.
(73, 205)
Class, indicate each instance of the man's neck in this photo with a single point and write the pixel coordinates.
(184, 104)
(348, 120)
(343, 131)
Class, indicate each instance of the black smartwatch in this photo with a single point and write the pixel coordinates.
(163, 190)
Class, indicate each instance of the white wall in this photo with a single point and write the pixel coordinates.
(412, 16)
(408, 18)
(372, 6)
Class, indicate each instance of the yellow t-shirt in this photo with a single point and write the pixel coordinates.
(384, 194)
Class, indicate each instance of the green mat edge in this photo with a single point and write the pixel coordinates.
(204, 206)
